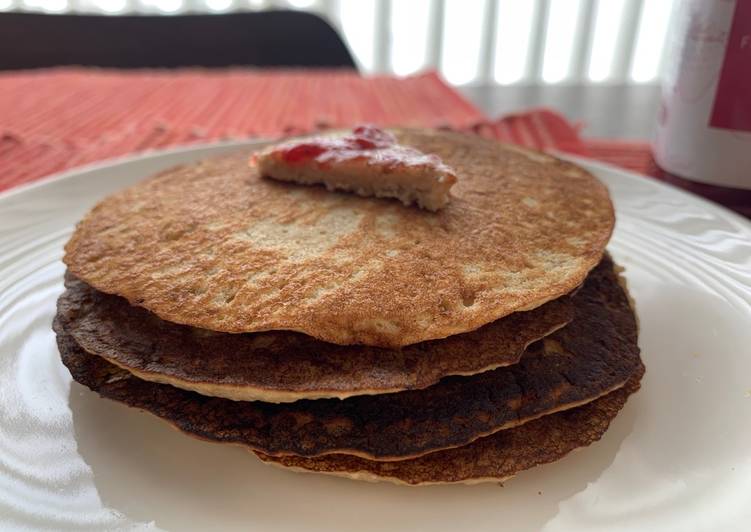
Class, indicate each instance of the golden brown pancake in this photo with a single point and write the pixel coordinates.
(495, 458)
(595, 354)
(213, 245)
(283, 366)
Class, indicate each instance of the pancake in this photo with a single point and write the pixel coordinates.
(214, 245)
(595, 354)
(495, 458)
(283, 366)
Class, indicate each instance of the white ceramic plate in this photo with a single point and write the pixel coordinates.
(677, 458)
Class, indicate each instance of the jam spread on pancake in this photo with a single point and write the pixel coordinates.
(324, 150)
(368, 161)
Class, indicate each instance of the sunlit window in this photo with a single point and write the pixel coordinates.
(409, 31)
(110, 6)
(607, 25)
(513, 39)
(56, 6)
(357, 20)
(219, 5)
(650, 41)
(462, 39)
(421, 36)
(301, 4)
(559, 39)
(168, 6)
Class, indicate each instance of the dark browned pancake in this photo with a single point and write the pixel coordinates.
(595, 354)
(283, 366)
(495, 458)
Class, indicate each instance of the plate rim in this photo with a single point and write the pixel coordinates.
(740, 223)
(133, 157)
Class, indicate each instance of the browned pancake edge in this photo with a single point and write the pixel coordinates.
(595, 354)
(283, 366)
(495, 458)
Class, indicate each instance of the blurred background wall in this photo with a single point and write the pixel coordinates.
(471, 42)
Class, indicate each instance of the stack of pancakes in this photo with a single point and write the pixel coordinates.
(356, 336)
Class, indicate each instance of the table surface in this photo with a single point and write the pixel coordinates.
(624, 112)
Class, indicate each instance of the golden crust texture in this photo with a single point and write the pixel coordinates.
(213, 245)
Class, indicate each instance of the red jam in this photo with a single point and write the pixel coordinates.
(375, 135)
(363, 138)
(367, 143)
(302, 152)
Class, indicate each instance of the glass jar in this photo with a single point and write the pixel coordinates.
(704, 124)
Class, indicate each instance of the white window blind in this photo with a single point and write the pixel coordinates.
(469, 41)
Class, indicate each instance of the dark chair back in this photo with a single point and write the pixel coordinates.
(266, 38)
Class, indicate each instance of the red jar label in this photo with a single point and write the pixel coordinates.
(732, 103)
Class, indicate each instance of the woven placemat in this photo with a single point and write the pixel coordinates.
(55, 119)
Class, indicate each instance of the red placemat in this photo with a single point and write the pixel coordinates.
(51, 120)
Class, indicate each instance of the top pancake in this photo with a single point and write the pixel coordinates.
(216, 246)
